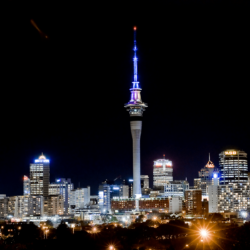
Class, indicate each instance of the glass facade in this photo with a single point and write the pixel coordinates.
(233, 167)
(162, 173)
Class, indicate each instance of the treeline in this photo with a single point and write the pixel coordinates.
(146, 235)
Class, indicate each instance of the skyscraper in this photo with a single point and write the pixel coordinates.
(205, 176)
(136, 107)
(39, 176)
(162, 173)
(233, 167)
(39, 180)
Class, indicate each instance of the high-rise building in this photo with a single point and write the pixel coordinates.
(213, 194)
(136, 107)
(176, 188)
(104, 198)
(26, 185)
(197, 183)
(109, 191)
(193, 202)
(233, 197)
(39, 177)
(233, 167)
(3, 206)
(162, 173)
(56, 205)
(39, 180)
(79, 198)
(62, 187)
(206, 176)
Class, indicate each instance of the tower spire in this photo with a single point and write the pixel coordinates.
(135, 60)
(209, 157)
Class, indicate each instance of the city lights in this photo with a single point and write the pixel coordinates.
(204, 233)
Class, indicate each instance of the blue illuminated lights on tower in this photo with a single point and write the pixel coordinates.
(135, 107)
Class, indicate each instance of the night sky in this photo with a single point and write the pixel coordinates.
(64, 95)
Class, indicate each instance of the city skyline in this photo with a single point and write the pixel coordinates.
(188, 72)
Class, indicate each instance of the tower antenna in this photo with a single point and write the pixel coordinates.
(135, 60)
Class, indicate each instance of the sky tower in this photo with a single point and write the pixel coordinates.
(135, 107)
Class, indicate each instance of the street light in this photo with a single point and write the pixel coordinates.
(111, 247)
(73, 226)
(46, 231)
(204, 233)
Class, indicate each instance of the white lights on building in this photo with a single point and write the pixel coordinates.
(162, 172)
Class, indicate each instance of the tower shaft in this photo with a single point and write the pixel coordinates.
(136, 136)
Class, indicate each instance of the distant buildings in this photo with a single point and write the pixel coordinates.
(233, 167)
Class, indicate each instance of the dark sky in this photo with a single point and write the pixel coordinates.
(64, 95)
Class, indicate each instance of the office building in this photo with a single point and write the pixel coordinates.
(205, 176)
(3, 206)
(56, 205)
(136, 108)
(193, 202)
(79, 198)
(176, 188)
(108, 190)
(39, 177)
(26, 185)
(162, 173)
(197, 183)
(233, 197)
(62, 187)
(145, 204)
(39, 180)
(213, 195)
(175, 204)
(233, 167)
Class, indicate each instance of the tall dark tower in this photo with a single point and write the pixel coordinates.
(135, 107)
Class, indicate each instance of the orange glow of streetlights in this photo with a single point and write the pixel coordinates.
(204, 233)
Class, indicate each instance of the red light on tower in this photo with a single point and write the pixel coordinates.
(135, 28)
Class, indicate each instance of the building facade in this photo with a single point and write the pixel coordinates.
(233, 197)
(233, 167)
(175, 204)
(39, 177)
(176, 188)
(205, 176)
(145, 204)
(26, 185)
(162, 173)
(79, 198)
(3, 206)
(193, 202)
(213, 195)
(62, 187)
